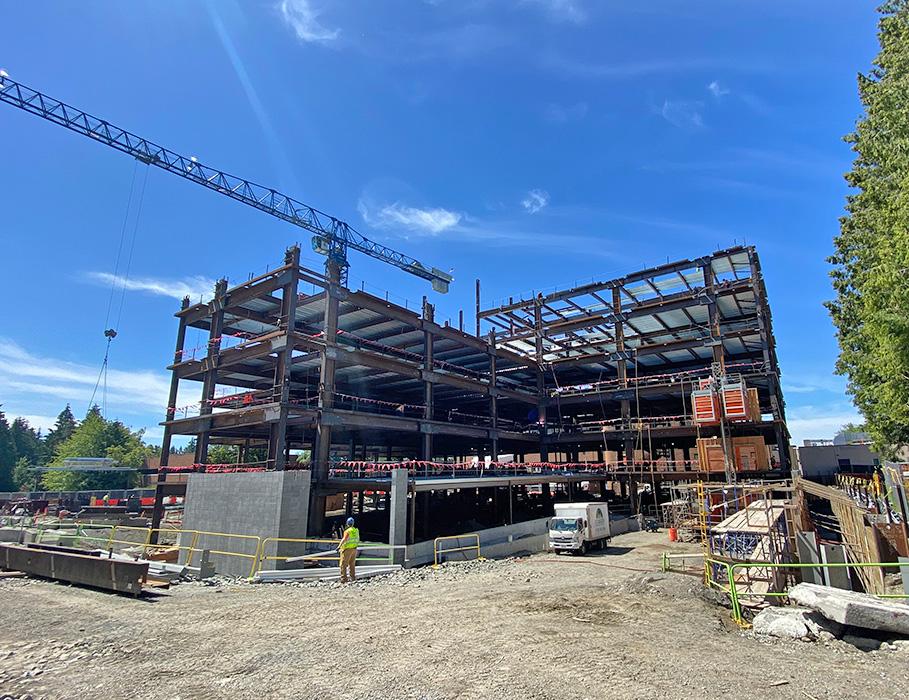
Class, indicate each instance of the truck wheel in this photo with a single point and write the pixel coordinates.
(583, 549)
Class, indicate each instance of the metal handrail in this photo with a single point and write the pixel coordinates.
(734, 593)
(436, 551)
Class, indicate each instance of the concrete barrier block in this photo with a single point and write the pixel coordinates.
(851, 608)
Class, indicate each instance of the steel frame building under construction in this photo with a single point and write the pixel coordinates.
(586, 385)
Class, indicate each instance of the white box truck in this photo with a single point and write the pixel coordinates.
(578, 527)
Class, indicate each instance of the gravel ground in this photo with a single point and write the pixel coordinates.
(540, 627)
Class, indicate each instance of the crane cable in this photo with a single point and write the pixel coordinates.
(110, 332)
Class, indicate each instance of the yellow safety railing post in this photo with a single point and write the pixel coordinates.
(263, 557)
(192, 546)
(436, 551)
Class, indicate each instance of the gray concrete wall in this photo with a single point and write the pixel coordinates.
(263, 504)
(617, 526)
(506, 541)
(823, 460)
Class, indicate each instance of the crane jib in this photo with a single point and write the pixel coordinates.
(334, 235)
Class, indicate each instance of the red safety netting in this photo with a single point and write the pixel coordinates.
(651, 378)
(425, 468)
(215, 468)
(367, 469)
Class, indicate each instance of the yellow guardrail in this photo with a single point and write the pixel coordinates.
(145, 543)
(437, 551)
(108, 540)
(326, 555)
(193, 548)
(735, 594)
(257, 551)
(262, 557)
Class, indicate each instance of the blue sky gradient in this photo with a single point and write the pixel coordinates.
(530, 143)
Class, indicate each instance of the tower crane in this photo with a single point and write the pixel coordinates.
(331, 237)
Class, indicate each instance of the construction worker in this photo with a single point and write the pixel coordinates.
(348, 551)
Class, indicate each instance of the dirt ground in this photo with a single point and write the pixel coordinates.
(540, 627)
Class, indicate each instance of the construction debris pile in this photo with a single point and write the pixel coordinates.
(827, 614)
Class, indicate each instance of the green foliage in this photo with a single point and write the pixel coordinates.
(21, 446)
(63, 428)
(27, 442)
(187, 450)
(223, 454)
(871, 262)
(7, 456)
(97, 437)
(24, 475)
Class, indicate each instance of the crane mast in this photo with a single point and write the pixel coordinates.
(331, 237)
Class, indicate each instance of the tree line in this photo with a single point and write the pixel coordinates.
(23, 449)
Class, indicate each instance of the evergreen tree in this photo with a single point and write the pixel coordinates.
(27, 443)
(24, 475)
(189, 448)
(871, 261)
(63, 428)
(7, 456)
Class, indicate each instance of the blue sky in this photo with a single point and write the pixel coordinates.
(510, 140)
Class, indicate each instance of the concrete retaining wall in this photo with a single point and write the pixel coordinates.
(496, 542)
(264, 504)
(622, 525)
(506, 541)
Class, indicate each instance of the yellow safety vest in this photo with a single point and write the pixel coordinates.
(353, 538)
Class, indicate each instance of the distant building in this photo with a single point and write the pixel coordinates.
(852, 437)
(821, 462)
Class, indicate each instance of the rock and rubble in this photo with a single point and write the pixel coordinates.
(854, 609)
(605, 627)
(870, 623)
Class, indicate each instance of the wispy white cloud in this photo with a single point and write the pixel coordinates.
(562, 114)
(23, 375)
(808, 383)
(500, 230)
(757, 104)
(749, 99)
(623, 69)
(572, 11)
(303, 18)
(790, 163)
(535, 200)
(397, 215)
(747, 187)
(38, 422)
(813, 422)
(196, 287)
(717, 90)
(684, 114)
(509, 234)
